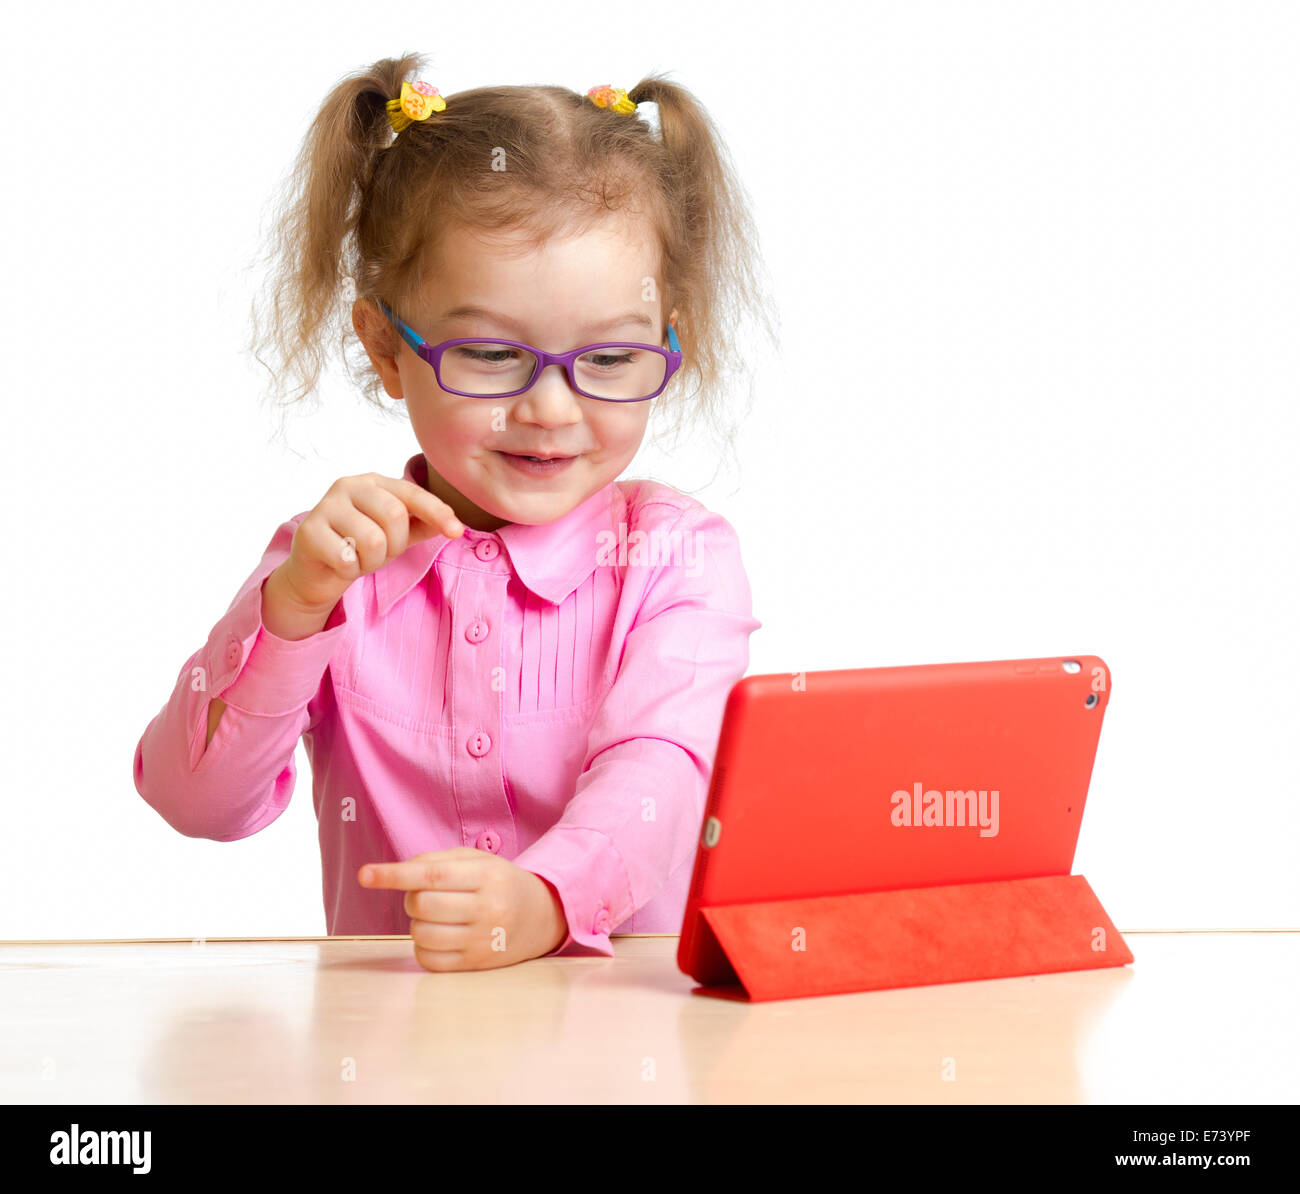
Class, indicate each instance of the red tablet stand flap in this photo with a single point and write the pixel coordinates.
(909, 937)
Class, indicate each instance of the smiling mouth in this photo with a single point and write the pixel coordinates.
(525, 456)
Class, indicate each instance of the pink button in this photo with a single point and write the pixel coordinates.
(487, 549)
(489, 840)
(234, 652)
(601, 922)
(476, 631)
(479, 744)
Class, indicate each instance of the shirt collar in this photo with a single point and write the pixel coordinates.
(552, 559)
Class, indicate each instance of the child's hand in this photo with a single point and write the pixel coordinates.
(357, 527)
(472, 910)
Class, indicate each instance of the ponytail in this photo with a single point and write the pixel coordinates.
(312, 253)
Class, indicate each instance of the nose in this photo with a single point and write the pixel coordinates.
(550, 401)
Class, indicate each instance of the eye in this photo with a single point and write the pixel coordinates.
(486, 355)
(608, 360)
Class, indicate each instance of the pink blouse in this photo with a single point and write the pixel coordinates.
(552, 694)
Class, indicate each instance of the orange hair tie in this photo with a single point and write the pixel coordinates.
(613, 98)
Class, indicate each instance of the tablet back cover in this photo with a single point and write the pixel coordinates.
(872, 779)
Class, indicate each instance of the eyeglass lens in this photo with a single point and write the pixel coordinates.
(620, 371)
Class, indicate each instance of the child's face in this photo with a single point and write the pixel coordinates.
(549, 298)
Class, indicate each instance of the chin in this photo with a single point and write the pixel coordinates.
(538, 507)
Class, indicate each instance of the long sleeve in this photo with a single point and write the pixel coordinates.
(243, 779)
(636, 813)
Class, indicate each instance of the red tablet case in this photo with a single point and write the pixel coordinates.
(891, 827)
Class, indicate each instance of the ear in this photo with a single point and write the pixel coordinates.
(381, 343)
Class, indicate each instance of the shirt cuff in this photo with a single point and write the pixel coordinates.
(257, 672)
(592, 882)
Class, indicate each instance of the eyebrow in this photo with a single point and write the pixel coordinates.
(640, 318)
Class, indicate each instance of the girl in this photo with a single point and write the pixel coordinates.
(508, 667)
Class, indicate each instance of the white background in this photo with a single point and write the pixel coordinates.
(1036, 266)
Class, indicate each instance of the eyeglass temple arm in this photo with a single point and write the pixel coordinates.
(407, 333)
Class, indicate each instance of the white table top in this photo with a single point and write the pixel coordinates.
(1200, 1017)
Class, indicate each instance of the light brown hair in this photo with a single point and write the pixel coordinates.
(361, 214)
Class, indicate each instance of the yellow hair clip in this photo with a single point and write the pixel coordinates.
(418, 101)
(613, 98)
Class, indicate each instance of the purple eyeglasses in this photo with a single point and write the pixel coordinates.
(484, 367)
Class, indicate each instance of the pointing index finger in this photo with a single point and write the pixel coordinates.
(438, 870)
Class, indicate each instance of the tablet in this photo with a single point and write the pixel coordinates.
(872, 779)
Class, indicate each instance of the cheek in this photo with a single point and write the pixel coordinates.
(452, 426)
(622, 431)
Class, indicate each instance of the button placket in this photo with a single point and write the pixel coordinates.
(479, 596)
